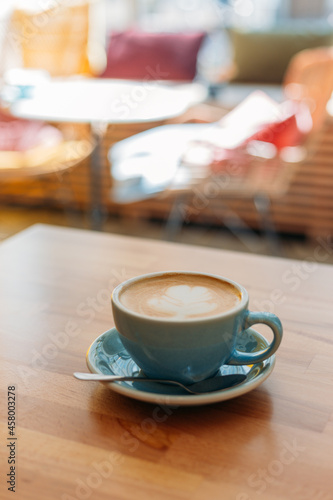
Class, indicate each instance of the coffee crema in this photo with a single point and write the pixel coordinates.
(180, 296)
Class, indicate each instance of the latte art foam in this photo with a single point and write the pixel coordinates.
(180, 296)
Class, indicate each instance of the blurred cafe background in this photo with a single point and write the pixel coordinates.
(206, 122)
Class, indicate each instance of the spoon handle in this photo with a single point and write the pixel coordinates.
(105, 378)
(120, 378)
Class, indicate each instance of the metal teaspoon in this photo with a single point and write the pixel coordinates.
(208, 385)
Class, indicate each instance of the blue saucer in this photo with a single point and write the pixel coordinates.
(107, 355)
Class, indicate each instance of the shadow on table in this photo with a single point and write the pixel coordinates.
(208, 440)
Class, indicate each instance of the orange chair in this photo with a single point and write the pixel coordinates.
(309, 79)
(55, 40)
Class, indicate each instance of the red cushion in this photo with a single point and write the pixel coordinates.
(136, 55)
(281, 134)
(22, 135)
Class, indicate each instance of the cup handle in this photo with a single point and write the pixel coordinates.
(252, 318)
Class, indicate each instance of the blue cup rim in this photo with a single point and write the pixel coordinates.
(243, 303)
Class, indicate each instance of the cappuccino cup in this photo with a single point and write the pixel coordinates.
(183, 325)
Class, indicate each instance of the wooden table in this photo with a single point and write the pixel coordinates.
(79, 440)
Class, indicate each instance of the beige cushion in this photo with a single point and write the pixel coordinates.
(263, 56)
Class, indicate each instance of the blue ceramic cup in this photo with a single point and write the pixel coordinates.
(188, 349)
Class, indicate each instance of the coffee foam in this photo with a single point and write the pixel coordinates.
(180, 296)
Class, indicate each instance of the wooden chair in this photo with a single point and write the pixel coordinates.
(46, 174)
(55, 40)
(245, 176)
(309, 79)
(304, 186)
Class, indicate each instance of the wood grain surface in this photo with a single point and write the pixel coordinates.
(81, 441)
